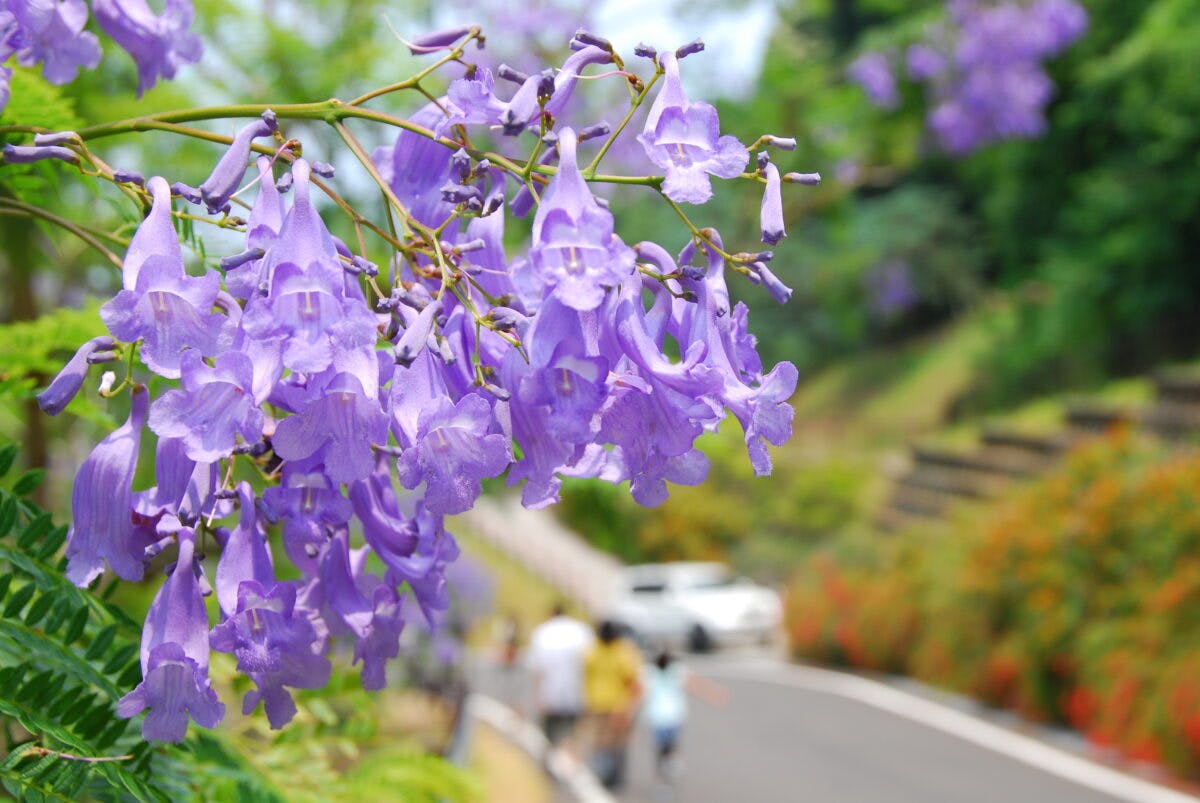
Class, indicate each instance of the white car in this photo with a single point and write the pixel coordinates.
(699, 606)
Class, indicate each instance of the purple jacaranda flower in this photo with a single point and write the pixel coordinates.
(311, 507)
(570, 384)
(416, 168)
(103, 528)
(771, 211)
(306, 306)
(761, 405)
(338, 427)
(654, 429)
(183, 488)
(873, 73)
(66, 385)
(684, 139)
(245, 554)
(215, 406)
(925, 62)
(159, 43)
(452, 453)
(51, 32)
(890, 288)
(220, 186)
(161, 305)
(542, 457)
(575, 251)
(174, 656)
(414, 549)
(27, 154)
(373, 615)
(275, 644)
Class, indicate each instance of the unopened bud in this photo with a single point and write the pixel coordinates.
(783, 143)
(107, 380)
(56, 138)
(323, 169)
(188, 192)
(645, 51)
(600, 129)
(129, 177)
(809, 179)
(589, 38)
(694, 46)
(26, 154)
(237, 260)
(511, 74)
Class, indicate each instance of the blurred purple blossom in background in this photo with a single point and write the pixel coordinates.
(890, 289)
(982, 68)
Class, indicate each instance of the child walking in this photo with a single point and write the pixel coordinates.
(665, 707)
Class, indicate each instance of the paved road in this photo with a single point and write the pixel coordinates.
(783, 740)
(794, 735)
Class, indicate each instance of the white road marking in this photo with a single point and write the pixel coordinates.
(956, 723)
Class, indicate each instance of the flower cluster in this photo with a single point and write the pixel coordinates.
(356, 407)
(983, 69)
(51, 33)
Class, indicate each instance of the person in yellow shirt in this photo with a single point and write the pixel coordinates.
(612, 689)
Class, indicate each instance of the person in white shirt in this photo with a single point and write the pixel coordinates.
(556, 651)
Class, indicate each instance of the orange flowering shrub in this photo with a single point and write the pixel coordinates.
(1077, 600)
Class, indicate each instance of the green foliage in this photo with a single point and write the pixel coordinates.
(66, 657)
(34, 101)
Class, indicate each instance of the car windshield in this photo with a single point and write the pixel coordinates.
(714, 577)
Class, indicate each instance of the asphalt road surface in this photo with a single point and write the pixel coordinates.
(791, 735)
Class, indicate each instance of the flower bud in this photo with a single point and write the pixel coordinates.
(809, 179)
(694, 46)
(27, 154)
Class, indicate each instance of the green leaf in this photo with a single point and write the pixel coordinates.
(29, 481)
(8, 515)
(76, 626)
(100, 643)
(40, 607)
(7, 455)
(34, 530)
(17, 601)
(52, 542)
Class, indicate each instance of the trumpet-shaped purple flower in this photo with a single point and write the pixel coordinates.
(414, 549)
(262, 229)
(372, 615)
(161, 305)
(771, 211)
(338, 427)
(245, 555)
(311, 508)
(159, 43)
(216, 405)
(575, 251)
(174, 655)
(275, 644)
(51, 32)
(453, 453)
(684, 139)
(103, 528)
